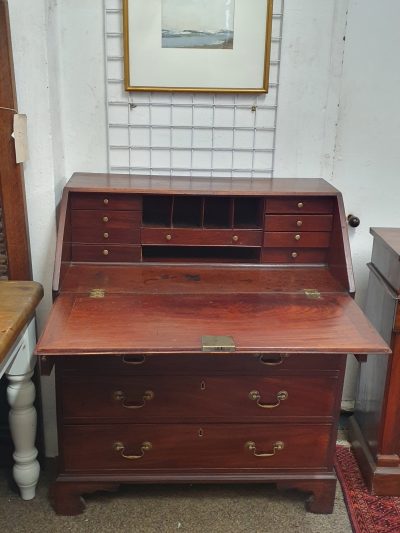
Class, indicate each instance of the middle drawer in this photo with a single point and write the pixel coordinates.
(308, 239)
(192, 398)
(202, 237)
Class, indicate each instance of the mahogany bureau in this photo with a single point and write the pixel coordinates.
(199, 333)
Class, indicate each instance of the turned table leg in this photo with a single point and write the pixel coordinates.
(22, 419)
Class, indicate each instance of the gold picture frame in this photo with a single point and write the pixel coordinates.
(150, 66)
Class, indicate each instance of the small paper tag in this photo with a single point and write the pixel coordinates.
(20, 138)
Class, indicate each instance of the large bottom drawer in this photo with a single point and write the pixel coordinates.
(186, 447)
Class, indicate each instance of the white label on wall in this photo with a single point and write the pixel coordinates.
(20, 138)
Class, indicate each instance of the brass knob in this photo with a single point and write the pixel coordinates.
(297, 237)
(105, 219)
(105, 201)
(168, 237)
(235, 238)
(300, 205)
(105, 252)
(299, 223)
(105, 235)
(294, 255)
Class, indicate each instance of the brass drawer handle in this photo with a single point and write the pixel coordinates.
(300, 205)
(106, 235)
(168, 237)
(297, 237)
(105, 219)
(105, 201)
(105, 252)
(119, 396)
(272, 362)
(276, 447)
(255, 395)
(294, 255)
(133, 359)
(235, 238)
(144, 447)
(299, 223)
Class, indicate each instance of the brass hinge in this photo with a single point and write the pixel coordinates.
(312, 293)
(219, 343)
(97, 293)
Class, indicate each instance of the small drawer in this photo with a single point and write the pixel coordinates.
(141, 447)
(183, 365)
(105, 253)
(105, 200)
(294, 255)
(307, 239)
(299, 204)
(91, 226)
(201, 237)
(197, 398)
(298, 222)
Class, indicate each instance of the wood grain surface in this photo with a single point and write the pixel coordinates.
(175, 323)
(18, 301)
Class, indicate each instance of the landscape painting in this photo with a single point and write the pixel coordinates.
(198, 24)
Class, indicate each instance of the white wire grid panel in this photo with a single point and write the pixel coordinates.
(195, 134)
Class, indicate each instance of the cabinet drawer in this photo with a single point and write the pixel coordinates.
(307, 239)
(201, 398)
(108, 200)
(198, 237)
(294, 255)
(105, 253)
(298, 222)
(133, 365)
(299, 204)
(191, 446)
(106, 226)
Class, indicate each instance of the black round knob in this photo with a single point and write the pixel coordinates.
(353, 221)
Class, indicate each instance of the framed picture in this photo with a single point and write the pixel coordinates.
(197, 45)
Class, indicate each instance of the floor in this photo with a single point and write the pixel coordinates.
(165, 509)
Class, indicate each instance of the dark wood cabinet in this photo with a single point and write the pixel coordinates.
(204, 338)
(375, 427)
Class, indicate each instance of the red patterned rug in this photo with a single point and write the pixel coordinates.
(367, 513)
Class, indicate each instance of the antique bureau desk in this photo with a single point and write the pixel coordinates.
(200, 332)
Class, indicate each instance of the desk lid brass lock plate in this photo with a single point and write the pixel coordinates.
(97, 293)
(217, 343)
(312, 293)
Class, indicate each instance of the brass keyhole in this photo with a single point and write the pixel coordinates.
(200, 432)
(203, 385)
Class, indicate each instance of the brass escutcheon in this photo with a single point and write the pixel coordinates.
(276, 447)
(120, 396)
(256, 396)
(120, 447)
(272, 362)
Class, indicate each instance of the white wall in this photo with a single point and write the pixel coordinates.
(338, 114)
